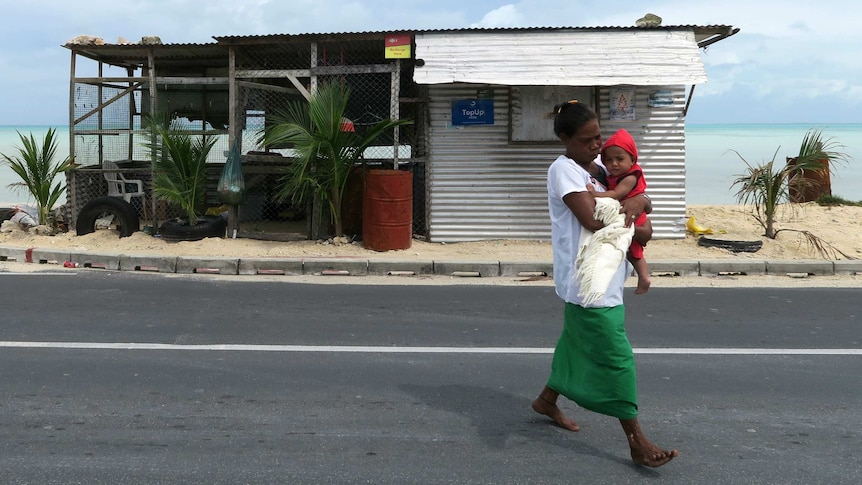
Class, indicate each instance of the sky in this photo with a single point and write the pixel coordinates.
(791, 62)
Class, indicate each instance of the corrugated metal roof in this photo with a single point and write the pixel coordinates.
(638, 57)
(135, 55)
(701, 32)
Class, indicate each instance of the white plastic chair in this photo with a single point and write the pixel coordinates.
(118, 186)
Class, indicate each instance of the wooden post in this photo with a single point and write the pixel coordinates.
(233, 134)
(151, 66)
(72, 185)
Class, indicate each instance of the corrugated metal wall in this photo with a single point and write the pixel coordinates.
(660, 136)
(482, 187)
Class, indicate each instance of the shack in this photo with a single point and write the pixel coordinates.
(480, 142)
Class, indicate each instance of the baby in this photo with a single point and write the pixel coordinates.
(625, 180)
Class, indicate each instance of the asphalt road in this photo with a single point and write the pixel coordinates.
(137, 378)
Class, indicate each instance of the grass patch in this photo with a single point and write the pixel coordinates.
(833, 200)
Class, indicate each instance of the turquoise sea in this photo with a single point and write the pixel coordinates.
(711, 163)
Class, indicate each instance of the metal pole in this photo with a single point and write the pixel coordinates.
(395, 110)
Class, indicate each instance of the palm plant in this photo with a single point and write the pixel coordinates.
(325, 152)
(179, 165)
(766, 186)
(816, 154)
(35, 165)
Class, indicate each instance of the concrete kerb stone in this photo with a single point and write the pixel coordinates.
(359, 266)
(811, 267)
(110, 261)
(485, 269)
(152, 263)
(526, 268)
(746, 267)
(848, 267)
(271, 266)
(13, 254)
(667, 267)
(208, 265)
(335, 266)
(400, 266)
(47, 256)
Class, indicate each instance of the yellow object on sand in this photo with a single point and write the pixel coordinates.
(693, 228)
(214, 211)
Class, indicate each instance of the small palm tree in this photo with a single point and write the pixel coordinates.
(180, 167)
(816, 154)
(35, 165)
(766, 186)
(325, 151)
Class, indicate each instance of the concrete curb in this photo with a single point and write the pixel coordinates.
(407, 267)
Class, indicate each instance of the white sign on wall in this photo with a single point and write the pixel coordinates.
(531, 110)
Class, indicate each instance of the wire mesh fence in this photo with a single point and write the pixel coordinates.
(110, 126)
(376, 89)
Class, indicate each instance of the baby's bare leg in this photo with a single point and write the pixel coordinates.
(642, 270)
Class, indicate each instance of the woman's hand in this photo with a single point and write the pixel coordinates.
(634, 207)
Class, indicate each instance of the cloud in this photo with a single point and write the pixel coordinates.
(786, 55)
(505, 16)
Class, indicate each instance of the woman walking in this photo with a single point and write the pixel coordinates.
(593, 362)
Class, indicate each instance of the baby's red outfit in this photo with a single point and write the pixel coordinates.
(636, 249)
(624, 140)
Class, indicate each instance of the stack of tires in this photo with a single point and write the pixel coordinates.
(124, 219)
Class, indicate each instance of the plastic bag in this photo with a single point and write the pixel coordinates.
(231, 185)
(24, 216)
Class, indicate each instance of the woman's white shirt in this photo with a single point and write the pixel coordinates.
(564, 177)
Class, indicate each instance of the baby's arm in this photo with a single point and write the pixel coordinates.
(624, 186)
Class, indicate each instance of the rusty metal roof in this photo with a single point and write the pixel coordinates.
(136, 55)
(701, 32)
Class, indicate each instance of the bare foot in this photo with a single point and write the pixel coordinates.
(551, 410)
(643, 451)
(648, 454)
(643, 285)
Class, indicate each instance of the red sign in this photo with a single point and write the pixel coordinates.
(398, 47)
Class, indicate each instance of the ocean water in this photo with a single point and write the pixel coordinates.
(711, 164)
(713, 156)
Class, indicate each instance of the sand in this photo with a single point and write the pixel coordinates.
(833, 225)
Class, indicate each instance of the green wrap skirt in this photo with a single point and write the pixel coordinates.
(593, 364)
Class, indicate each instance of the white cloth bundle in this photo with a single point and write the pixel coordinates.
(601, 253)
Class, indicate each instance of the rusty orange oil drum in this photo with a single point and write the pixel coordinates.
(387, 210)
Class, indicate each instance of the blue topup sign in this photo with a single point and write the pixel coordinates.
(472, 112)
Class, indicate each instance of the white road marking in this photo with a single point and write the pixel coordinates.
(372, 349)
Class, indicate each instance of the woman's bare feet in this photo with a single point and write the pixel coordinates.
(643, 451)
(546, 404)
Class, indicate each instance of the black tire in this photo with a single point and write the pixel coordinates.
(6, 213)
(180, 230)
(732, 246)
(125, 219)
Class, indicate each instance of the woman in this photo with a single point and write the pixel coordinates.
(593, 362)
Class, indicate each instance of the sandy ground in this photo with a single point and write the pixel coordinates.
(835, 226)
